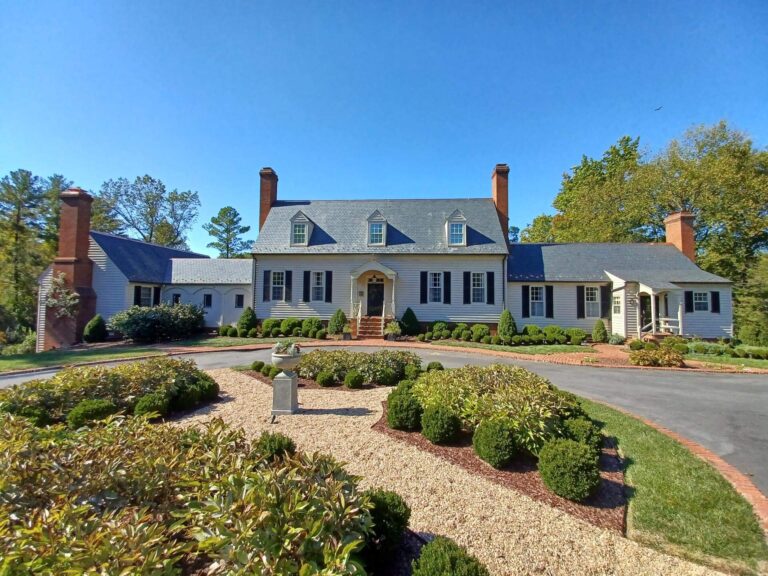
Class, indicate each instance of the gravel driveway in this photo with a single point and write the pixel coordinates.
(509, 532)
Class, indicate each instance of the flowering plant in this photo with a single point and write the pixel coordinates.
(286, 348)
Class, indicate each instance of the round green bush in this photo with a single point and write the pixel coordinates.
(273, 445)
(403, 410)
(650, 345)
(185, 398)
(439, 425)
(95, 330)
(275, 332)
(443, 557)
(257, 365)
(388, 377)
(274, 371)
(438, 327)
(353, 379)
(585, 431)
(466, 335)
(88, 411)
(405, 385)
(313, 333)
(494, 442)
(288, 325)
(496, 341)
(242, 333)
(390, 515)
(155, 402)
(232, 332)
(636, 345)
(325, 379)
(421, 337)
(486, 340)
(446, 334)
(681, 348)
(434, 365)
(517, 340)
(266, 369)
(253, 333)
(309, 325)
(296, 332)
(412, 371)
(208, 389)
(269, 324)
(224, 330)
(569, 468)
(429, 336)
(321, 334)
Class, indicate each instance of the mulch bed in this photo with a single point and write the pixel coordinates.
(605, 509)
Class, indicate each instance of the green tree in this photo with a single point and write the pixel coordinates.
(227, 231)
(513, 234)
(752, 313)
(49, 234)
(540, 230)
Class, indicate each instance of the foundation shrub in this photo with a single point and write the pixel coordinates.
(538, 339)
(443, 556)
(458, 331)
(636, 345)
(321, 335)
(599, 332)
(551, 333)
(585, 431)
(650, 345)
(494, 442)
(223, 330)
(616, 340)
(232, 332)
(440, 425)
(445, 334)
(288, 325)
(570, 469)
(353, 380)
(326, 379)
(660, 357)
(428, 336)
(672, 341)
(88, 411)
(531, 330)
(506, 327)
(313, 333)
(268, 325)
(576, 336)
(438, 327)
(253, 333)
(276, 332)
(497, 341)
(310, 324)
(466, 335)
(95, 330)
(480, 331)
(486, 340)
(517, 340)
(274, 445)
(409, 322)
(247, 320)
(337, 322)
(421, 337)
(390, 515)
(163, 322)
(257, 365)
(242, 333)
(681, 348)
(403, 409)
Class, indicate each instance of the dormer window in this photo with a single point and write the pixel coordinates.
(299, 234)
(377, 229)
(301, 229)
(456, 233)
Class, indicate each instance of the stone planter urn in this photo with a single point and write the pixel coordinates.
(285, 386)
(286, 362)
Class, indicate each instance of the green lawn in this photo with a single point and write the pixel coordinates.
(534, 349)
(227, 341)
(678, 502)
(727, 360)
(61, 357)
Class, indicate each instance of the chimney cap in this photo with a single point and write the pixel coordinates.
(680, 215)
(267, 171)
(501, 168)
(75, 192)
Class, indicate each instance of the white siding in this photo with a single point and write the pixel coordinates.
(564, 309)
(618, 321)
(407, 285)
(222, 310)
(631, 312)
(110, 285)
(44, 286)
(705, 324)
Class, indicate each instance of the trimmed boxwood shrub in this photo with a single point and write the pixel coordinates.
(439, 326)
(164, 322)
(247, 320)
(288, 325)
(232, 332)
(353, 379)
(274, 371)
(253, 333)
(156, 402)
(466, 335)
(434, 365)
(458, 330)
(569, 468)
(440, 425)
(585, 431)
(387, 377)
(411, 371)
(446, 334)
(257, 365)
(599, 333)
(390, 515)
(275, 332)
(480, 331)
(242, 333)
(223, 330)
(88, 411)
(326, 379)
(403, 410)
(421, 337)
(576, 335)
(95, 330)
(265, 369)
(274, 445)
(309, 325)
(494, 442)
(506, 327)
(531, 330)
(496, 341)
(268, 325)
(442, 557)
(428, 336)
(410, 323)
(337, 322)
(636, 345)
(321, 335)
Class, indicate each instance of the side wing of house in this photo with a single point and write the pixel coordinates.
(222, 303)
(113, 291)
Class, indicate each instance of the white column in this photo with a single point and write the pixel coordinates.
(653, 313)
(351, 296)
(680, 330)
(394, 283)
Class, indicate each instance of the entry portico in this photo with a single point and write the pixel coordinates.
(372, 291)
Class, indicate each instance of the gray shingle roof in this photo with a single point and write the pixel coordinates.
(589, 263)
(210, 271)
(413, 227)
(140, 261)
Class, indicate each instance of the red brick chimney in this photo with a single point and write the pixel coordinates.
(500, 193)
(268, 193)
(73, 262)
(680, 233)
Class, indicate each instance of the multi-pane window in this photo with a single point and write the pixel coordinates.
(318, 286)
(207, 300)
(478, 287)
(617, 304)
(146, 296)
(701, 301)
(299, 235)
(239, 300)
(376, 233)
(456, 234)
(537, 300)
(435, 286)
(592, 301)
(278, 286)
(176, 298)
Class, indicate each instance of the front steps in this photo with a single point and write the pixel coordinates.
(370, 327)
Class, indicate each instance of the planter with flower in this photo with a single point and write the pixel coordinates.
(392, 330)
(286, 355)
(346, 333)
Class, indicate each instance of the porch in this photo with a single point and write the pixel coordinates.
(659, 310)
(372, 299)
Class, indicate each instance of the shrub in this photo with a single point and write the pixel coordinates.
(152, 403)
(326, 379)
(353, 379)
(273, 372)
(288, 325)
(443, 556)
(466, 335)
(309, 325)
(164, 322)
(681, 348)
(403, 410)
(636, 345)
(531, 330)
(440, 425)
(616, 340)
(412, 371)
(247, 320)
(661, 357)
(296, 332)
(458, 331)
(274, 445)
(599, 333)
(224, 330)
(569, 469)
(387, 377)
(275, 332)
(486, 340)
(88, 411)
(517, 340)
(672, 341)
(538, 339)
(494, 442)
(428, 336)
(337, 322)
(321, 335)
(434, 365)
(506, 327)
(585, 431)
(313, 333)
(374, 367)
(390, 515)
(257, 365)
(242, 333)
(438, 327)
(496, 341)
(232, 332)
(410, 322)
(421, 337)
(553, 333)
(576, 336)
(266, 369)
(268, 325)
(95, 330)
(446, 334)
(253, 333)
(480, 331)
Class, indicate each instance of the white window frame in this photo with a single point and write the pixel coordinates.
(208, 296)
(592, 306)
(536, 305)
(701, 304)
(463, 230)
(145, 296)
(381, 233)
(616, 304)
(477, 287)
(277, 288)
(435, 290)
(314, 285)
(294, 228)
(242, 300)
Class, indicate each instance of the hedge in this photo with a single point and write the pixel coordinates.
(164, 322)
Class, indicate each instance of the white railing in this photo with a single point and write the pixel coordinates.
(359, 314)
(664, 325)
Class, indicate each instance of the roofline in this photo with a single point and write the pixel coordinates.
(118, 237)
(283, 203)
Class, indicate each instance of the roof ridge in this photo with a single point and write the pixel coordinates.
(129, 239)
(300, 201)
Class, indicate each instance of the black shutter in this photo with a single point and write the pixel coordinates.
(288, 285)
(526, 301)
(580, 302)
(267, 286)
(307, 275)
(446, 287)
(605, 302)
(328, 286)
(666, 306)
(550, 301)
(714, 296)
(688, 301)
(467, 287)
(156, 296)
(423, 285)
(490, 288)
(137, 295)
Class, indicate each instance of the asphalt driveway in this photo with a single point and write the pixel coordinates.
(727, 413)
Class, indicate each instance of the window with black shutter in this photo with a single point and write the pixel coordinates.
(550, 301)
(526, 294)
(580, 302)
(490, 288)
(467, 287)
(715, 301)
(688, 301)
(288, 285)
(446, 288)
(329, 286)
(305, 286)
(267, 288)
(423, 291)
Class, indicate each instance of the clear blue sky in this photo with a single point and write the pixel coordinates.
(365, 99)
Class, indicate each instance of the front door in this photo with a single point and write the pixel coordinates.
(645, 311)
(375, 298)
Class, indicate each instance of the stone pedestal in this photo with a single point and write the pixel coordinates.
(285, 393)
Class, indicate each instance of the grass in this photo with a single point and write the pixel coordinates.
(533, 349)
(678, 502)
(62, 357)
(227, 341)
(727, 360)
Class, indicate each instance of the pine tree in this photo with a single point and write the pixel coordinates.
(226, 229)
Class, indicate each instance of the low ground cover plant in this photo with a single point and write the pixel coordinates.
(386, 367)
(163, 322)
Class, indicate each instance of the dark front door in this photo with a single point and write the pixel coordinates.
(645, 311)
(375, 298)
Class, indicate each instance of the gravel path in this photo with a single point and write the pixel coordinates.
(509, 532)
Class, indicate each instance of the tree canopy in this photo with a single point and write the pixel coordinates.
(227, 232)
